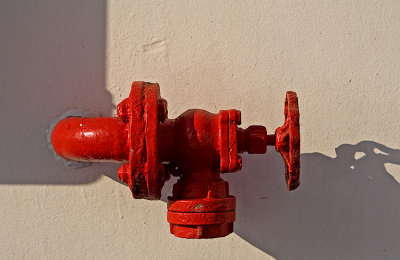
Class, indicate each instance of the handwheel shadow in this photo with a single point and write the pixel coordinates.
(344, 208)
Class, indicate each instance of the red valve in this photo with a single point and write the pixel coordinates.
(197, 146)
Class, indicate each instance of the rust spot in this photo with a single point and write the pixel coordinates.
(198, 206)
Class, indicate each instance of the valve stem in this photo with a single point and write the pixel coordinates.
(271, 140)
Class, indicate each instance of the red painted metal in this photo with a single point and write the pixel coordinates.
(197, 146)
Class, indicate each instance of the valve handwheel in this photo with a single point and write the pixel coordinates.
(288, 141)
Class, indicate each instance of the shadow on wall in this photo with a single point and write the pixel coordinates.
(344, 208)
(52, 61)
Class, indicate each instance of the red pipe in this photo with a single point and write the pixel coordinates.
(91, 139)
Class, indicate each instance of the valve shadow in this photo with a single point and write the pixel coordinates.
(346, 207)
(52, 62)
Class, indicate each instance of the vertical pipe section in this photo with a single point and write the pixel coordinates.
(91, 139)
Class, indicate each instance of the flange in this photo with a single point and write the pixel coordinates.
(144, 174)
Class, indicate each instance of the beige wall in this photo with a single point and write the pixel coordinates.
(341, 57)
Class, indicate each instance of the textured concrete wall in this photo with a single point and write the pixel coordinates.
(341, 57)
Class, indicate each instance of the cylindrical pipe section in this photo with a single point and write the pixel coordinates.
(271, 140)
(91, 139)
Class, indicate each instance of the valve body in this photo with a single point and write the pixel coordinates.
(197, 146)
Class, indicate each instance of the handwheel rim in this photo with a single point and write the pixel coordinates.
(288, 141)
